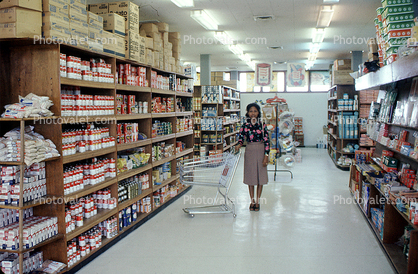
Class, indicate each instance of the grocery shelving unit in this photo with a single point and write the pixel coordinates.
(335, 142)
(400, 72)
(230, 97)
(30, 67)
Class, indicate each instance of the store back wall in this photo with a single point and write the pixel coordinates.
(312, 107)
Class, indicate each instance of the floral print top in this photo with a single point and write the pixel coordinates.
(254, 133)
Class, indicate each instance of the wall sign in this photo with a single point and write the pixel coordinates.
(263, 72)
(296, 75)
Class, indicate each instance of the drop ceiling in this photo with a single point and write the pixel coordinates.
(291, 28)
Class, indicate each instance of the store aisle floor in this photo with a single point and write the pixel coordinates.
(301, 228)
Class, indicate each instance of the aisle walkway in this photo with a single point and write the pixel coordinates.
(299, 230)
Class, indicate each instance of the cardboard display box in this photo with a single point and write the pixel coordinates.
(76, 15)
(96, 17)
(28, 4)
(149, 43)
(142, 50)
(54, 17)
(149, 57)
(114, 23)
(174, 35)
(128, 10)
(56, 34)
(163, 27)
(57, 3)
(54, 9)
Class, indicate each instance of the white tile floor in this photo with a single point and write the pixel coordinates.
(299, 230)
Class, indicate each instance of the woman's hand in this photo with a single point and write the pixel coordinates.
(237, 147)
(266, 160)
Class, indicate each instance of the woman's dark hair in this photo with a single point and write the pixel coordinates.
(249, 106)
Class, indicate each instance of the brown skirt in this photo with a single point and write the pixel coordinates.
(254, 171)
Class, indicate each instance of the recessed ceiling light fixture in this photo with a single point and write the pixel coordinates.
(223, 38)
(325, 16)
(275, 47)
(183, 3)
(263, 17)
(236, 50)
(204, 19)
(314, 47)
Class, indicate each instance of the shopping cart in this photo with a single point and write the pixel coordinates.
(213, 171)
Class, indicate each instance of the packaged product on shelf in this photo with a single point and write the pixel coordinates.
(132, 187)
(32, 227)
(37, 148)
(50, 266)
(162, 104)
(161, 173)
(131, 159)
(161, 128)
(29, 106)
(32, 261)
(73, 103)
(96, 70)
(91, 172)
(145, 205)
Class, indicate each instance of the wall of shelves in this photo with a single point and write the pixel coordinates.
(335, 142)
(395, 221)
(227, 108)
(29, 67)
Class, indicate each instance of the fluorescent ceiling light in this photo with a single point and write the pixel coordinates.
(324, 17)
(318, 35)
(223, 38)
(204, 19)
(183, 3)
(331, 1)
(314, 47)
(236, 50)
(245, 57)
(251, 64)
(312, 57)
(309, 64)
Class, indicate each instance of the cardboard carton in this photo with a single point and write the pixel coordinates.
(16, 14)
(96, 17)
(28, 4)
(102, 8)
(342, 64)
(162, 27)
(132, 45)
(128, 10)
(114, 23)
(20, 29)
(149, 28)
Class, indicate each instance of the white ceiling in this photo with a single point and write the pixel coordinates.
(292, 26)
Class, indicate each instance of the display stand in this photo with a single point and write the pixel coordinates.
(275, 104)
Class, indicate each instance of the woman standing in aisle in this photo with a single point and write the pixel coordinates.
(256, 153)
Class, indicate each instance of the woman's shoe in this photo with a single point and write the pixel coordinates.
(252, 207)
(257, 207)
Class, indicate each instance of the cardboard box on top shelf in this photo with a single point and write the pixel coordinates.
(148, 28)
(164, 37)
(95, 33)
(342, 64)
(30, 28)
(176, 47)
(56, 34)
(54, 9)
(61, 4)
(79, 26)
(76, 15)
(132, 45)
(176, 55)
(28, 4)
(120, 46)
(149, 57)
(156, 59)
(95, 45)
(149, 43)
(163, 27)
(84, 2)
(114, 23)
(17, 14)
(174, 36)
(57, 26)
(168, 46)
(142, 51)
(109, 42)
(100, 9)
(167, 52)
(172, 61)
(55, 18)
(128, 10)
(158, 46)
(78, 6)
(95, 17)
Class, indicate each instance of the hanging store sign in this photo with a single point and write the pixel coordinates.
(263, 72)
(296, 75)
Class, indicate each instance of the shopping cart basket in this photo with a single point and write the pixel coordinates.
(213, 171)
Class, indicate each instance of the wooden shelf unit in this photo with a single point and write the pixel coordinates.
(229, 96)
(335, 142)
(400, 72)
(30, 67)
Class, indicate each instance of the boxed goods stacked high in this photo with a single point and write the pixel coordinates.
(56, 20)
(114, 34)
(153, 39)
(95, 23)
(149, 50)
(393, 28)
(20, 18)
(175, 39)
(168, 60)
(78, 23)
(341, 72)
(373, 54)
